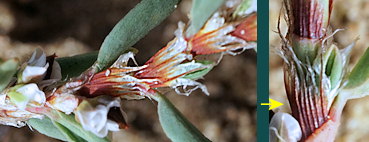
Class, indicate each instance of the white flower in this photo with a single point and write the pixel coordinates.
(35, 69)
(13, 103)
(94, 118)
(284, 127)
(28, 94)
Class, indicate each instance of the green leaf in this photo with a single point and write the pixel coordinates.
(71, 137)
(201, 11)
(200, 73)
(70, 123)
(175, 125)
(336, 70)
(360, 73)
(45, 126)
(357, 83)
(134, 26)
(333, 63)
(7, 70)
(73, 66)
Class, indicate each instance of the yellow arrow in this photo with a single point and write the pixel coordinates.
(273, 104)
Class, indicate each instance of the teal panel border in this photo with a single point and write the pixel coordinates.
(263, 71)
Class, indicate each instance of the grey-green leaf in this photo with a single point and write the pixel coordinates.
(73, 66)
(360, 73)
(175, 125)
(201, 11)
(45, 126)
(135, 25)
(7, 70)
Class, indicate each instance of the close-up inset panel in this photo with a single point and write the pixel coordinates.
(319, 70)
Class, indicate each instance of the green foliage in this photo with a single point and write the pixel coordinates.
(360, 73)
(7, 70)
(71, 137)
(64, 127)
(175, 125)
(135, 25)
(45, 126)
(75, 65)
(357, 83)
(201, 11)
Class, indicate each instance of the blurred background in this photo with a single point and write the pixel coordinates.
(71, 27)
(353, 17)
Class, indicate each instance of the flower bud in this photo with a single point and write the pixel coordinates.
(308, 25)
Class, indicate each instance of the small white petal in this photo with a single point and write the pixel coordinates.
(123, 59)
(112, 126)
(2, 99)
(33, 72)
(182, 82)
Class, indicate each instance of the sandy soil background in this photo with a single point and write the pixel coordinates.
(73, 27)
(353, 16)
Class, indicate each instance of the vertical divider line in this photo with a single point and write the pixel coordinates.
(262, 70)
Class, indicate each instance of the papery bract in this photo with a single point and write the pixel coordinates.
(216, 37)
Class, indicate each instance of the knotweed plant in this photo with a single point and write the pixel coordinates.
(317, 79)
(77, 99)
